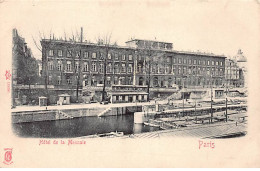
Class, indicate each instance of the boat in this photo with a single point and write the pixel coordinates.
(112, 134)
(105, 135)
(150, 124)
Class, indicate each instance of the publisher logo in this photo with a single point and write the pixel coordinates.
(8, 156)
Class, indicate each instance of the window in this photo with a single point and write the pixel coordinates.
(189, 70)
(221, 72)
(59, 53)
(50, 53)
(108, 80)
(77, 54)
(179, 70)
(184, 70)
(199, 71)
(213, 71)
(208, 71)
(94, 67)
(190, 61)
(59, 80)
(115, 80)
(213, 63)
(123, 57)
(116, 68)
(216, 72)
(167, 69)
(94, 55)
(184, 61)
(59, 65)
(101, 56)
(174, 60)
(194, 70)
(199, 62)
(139, 68)
(123, 69)
(109, 56)
(50, 65)
(85, 69)
(101, 68)
(130, 57)
(116, 56)
(69, 53)
(169, 59)
(208, 62)
(68, 80)
(109, 67)
(76, 66)
(194, 62)
(50, 79)
(179, 60)
(130, 68)
(85, 54)
(216, 62)
(221, 63)
(68, 66)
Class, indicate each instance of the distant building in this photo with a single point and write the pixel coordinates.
(242, 63)
(236, 70)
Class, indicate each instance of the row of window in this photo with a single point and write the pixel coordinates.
(93, 81)
(68, 66)
(129, 80)
(86, 54)
(154, 69)
(197, 62)
(199, 71)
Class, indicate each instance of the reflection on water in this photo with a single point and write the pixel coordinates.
(80, 127)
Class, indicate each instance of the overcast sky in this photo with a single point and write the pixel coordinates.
(221, 27)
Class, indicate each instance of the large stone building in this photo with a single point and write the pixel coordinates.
(236, 70)
(78, 65)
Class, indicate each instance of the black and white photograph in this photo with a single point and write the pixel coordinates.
(92, 71)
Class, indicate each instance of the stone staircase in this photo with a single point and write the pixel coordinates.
(103, 113)
(64, 115)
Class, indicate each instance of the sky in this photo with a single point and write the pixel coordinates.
(220, 27)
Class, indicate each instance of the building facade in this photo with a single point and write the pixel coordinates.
(236, 70)
(25, 69)
(71, 65)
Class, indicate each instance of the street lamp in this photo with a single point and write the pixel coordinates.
(226, 101)
(211, 111)
(183, 86)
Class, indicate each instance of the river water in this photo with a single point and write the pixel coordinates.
(77, 127)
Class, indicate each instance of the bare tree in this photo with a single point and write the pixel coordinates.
(151, 57)
(106, 42)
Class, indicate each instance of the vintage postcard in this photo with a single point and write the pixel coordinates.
(129, 83)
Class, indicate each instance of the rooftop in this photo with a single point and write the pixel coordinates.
(127, 47)
(132, 40)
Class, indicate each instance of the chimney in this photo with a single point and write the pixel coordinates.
(81, 34)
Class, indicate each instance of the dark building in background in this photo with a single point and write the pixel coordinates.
(24, 70)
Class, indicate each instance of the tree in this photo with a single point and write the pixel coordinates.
(106, 42)
(151, 57)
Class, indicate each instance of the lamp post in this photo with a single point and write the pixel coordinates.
(211, 111)
(183, 86)
(226, 101)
